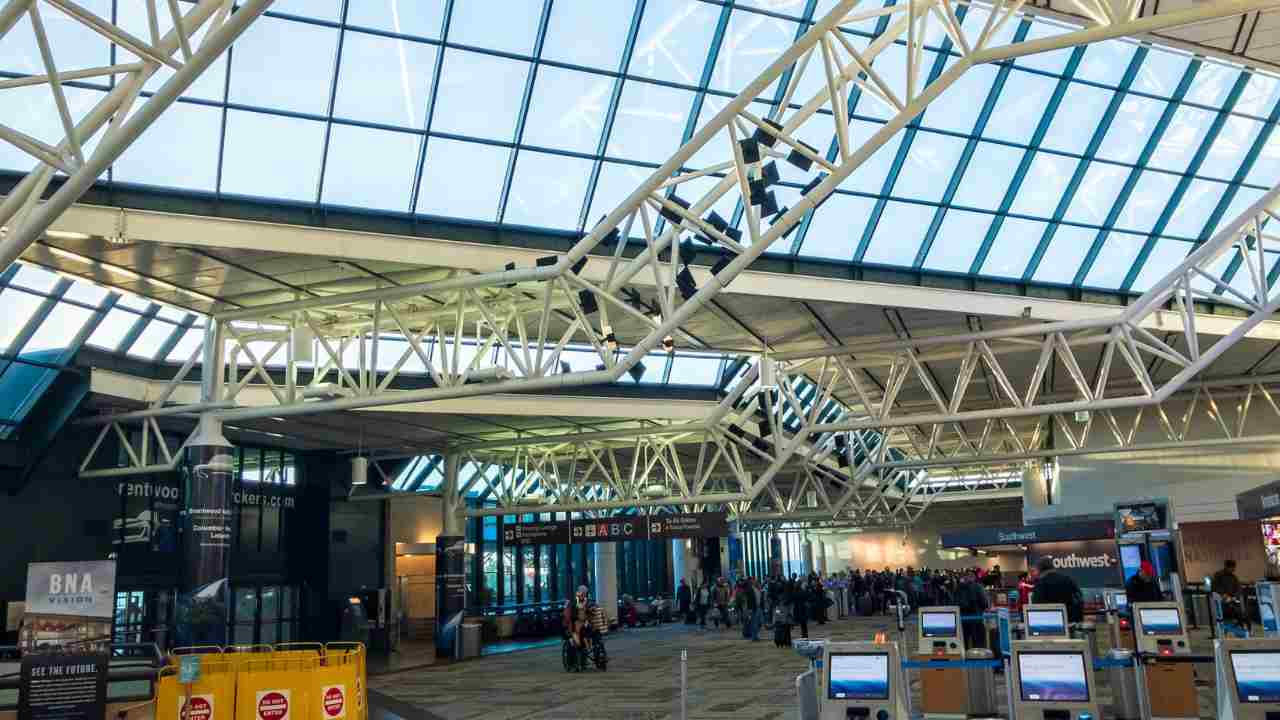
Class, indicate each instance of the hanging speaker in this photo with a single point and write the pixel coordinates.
(768, 373)
(302, 343)
(359, 470)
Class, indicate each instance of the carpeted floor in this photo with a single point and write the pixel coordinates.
(728, 679)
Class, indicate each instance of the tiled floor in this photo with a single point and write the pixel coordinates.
(728, 679)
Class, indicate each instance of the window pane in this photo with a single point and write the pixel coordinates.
(35, 278)
(152, 338)
(191, 339)
(18, 309)
(1114, 260)
(1191, 214)
(1044, 184)
(674, 40)
(185, 131)
(752, 41)
(836, 227)
(419, 17)
(284, 65)
(650, 122)
(957, 109)
(695, 370)
(1077, 118)
(474, 23)
(1131, 128)
(479, 94)
(1234, 141)
(384, 80)
(1066, 251)
(1161, 72)
(1097, 193)
(1149, 198)
(898, 235)
(462, 180)
(370, 168)
(1013, 247)
(605, 23)
(85, 293)
(547, 190)
(272, 156)
(566, 110)
(1182, 139)
(929, 166)
(58, 329)
(1020, 107)
(988, 176)
(957, 242)
(1106, 62)
(113, 329)
(869, 177)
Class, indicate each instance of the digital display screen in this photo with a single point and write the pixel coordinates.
(1139, 518)
(1160, 621)
(938, 624)
(1053, 677)
(859, 677)
(1257, 676)
(1130, 560)
(1043, 623)
(1121, 600)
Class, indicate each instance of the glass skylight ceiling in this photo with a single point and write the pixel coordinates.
(1098, 167)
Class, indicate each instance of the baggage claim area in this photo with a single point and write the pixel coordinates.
(639, 359)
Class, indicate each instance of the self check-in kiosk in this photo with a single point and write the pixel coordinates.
(1053, 680)
(1248, 678)
(1045, 622)
(1161, 636)
(1269, 608)
(940, 637)
(1119, 620)
(863, 680)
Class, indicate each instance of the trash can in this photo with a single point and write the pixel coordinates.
(981, 682)
(1124, 685)
(468, 644)
(807, 695)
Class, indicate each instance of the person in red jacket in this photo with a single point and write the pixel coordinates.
(1025, 585)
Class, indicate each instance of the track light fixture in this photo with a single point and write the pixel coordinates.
(509, 266)
(577, 267)
(673, 215)
(546, 261)
(565, 369)
(637, 371)
(669, 344)
(686, 284)
(768, 373)
(764, 137)
(587, 300)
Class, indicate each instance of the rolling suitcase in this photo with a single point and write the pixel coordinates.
(782, 634)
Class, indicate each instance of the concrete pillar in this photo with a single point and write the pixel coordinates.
(679, 564)
(807, 549)
(822, 557)
(607, 578)
(210, 524)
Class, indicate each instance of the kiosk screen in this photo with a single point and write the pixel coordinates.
(1046, 623)
(859, 677)
(1257, 676)
(938, 624)
(1053, 677)
(1130, 560)
(1122, 601)
(1160, 621)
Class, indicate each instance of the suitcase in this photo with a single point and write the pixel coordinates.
(782, 634)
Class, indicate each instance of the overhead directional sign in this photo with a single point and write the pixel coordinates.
(616, 529)
(536, 533)
(688, 525)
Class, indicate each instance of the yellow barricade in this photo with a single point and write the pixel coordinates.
(340, 684)
(212, 696)
(193, 650)
(276, 689)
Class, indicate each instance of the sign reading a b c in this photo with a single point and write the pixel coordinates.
(273, 705)
(333, 700)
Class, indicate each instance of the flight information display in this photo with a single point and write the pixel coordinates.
(938, 624)
(1160, 621)
(1053, 677)
(1046, 623)
(859, 677)
(1257, 676)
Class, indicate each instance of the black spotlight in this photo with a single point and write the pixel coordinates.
(813, 183)
(736, 430)
(841, 441)
(587, 300)
(801, 160)
(686, 252)
(672, 215)
(842, 460)
(546, 261)
(721, 264)
(769, 206)
(770, 173)
(686, 284)
(637, 371)
(757, 187)
(669, 344)
(509, 266)
(564, 367)
(750, 150)
(764, 137)
(577, 267)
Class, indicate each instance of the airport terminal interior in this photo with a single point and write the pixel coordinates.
(639, 359)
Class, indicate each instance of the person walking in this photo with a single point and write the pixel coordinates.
(703, 603)
(721, 600)
(744, 601)
(684, 600)
(799, 607)
(972, 600)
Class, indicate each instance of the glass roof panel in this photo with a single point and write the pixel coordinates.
(1212, 84)
(1106, 62)
(1044, 185)
(85, 292)
(930, 163)
(1193, 211)
(959, 237)
(695, 369)
(1228, 151)
(674, 40)
(479, 94)
(35, 278)
(957, 109)
(191, 339)
(149, 160)
(1150, 197)
(132, 16)
(59, 329)
(1266, 168)
(650, 122)
(384, 80)
(272, 156)
(18, 309)
(113, 329)
(604, 23)
(406, 17)
(462, 179)
(1183, 137)
(153, 337)
(547, 190)
(1077, 119)
(1131, 128)
(370, 168)
(616, 182)
(1244, 198)
(1164, 256)
(1260, 95)
(1161, 72)
(898, 234)
(284, 65)
(752, 41)
(1013, 247)
(316, 9)
(837, 227)
(988, 176)
(1097, 192)
(1053, 62)
(567, 109)
(1021, 105)
(1114, 260)
(510, 27)
(869, 177)
(1064, 254)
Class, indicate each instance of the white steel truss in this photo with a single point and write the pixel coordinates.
(125, 111)
(531, 315)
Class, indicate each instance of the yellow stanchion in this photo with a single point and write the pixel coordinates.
(212, 696)
(273, 688)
